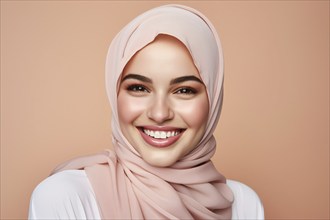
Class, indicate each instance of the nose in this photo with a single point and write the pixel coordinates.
(160, 110)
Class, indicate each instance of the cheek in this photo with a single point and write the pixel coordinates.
(194, 112)
(129, 108)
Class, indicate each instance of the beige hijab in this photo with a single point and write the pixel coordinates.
(126, 187)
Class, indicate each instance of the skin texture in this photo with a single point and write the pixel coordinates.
(161, 89)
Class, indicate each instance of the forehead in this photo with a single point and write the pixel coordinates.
(165, 56)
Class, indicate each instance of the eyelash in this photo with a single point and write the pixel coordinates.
(137, 88)
(186, 91)
(141, 88)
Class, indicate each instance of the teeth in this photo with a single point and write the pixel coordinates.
(161, 134)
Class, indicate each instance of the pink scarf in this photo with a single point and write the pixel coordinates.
(126, 187)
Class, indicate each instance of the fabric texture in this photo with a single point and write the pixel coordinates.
(126, 187)
(69, 195)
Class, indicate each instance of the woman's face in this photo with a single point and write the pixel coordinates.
(162, 102)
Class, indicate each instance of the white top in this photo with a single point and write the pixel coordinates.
(69, 195)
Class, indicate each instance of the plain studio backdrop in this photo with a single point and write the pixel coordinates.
(273, 133)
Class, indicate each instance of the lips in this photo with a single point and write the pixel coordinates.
(160, 136)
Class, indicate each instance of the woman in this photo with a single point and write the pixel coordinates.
(164, 77)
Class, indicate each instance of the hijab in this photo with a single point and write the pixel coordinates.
(127, 187)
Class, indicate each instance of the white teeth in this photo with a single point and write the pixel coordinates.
(161, 134)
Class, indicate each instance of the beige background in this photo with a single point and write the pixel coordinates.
(274, 130)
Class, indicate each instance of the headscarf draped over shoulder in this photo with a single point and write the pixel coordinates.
(126, 187)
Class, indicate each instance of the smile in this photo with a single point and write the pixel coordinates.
(160, 137)
(161, 134)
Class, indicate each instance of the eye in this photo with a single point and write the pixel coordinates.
(186, 91)
(137, 88)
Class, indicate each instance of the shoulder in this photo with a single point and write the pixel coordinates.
(64, 195)
(247, 204)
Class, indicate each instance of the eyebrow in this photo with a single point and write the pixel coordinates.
(173, 81)
(138, 77)
(185, 78)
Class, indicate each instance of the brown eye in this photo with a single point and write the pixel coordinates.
(186, 90)
(137, 88)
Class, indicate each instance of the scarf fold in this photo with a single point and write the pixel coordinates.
(126, 187)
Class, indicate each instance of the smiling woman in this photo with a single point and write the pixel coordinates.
(159, 108)
(164, 78)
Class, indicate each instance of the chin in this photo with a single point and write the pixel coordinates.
(159, 161)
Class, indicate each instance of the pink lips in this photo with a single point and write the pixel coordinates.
(158, 142)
